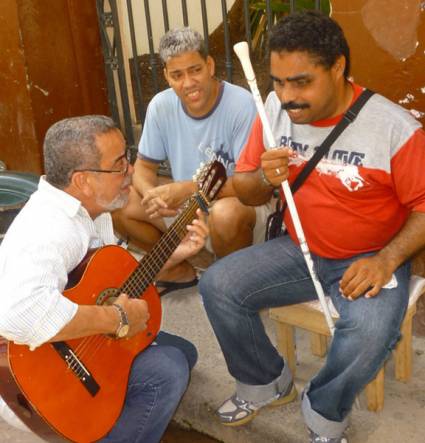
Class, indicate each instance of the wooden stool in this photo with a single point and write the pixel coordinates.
(309, 316)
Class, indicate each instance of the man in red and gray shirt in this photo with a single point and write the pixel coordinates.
(363, 213)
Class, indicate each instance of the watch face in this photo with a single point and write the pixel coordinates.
(123, 331)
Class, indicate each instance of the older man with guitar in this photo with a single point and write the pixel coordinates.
(77, 321)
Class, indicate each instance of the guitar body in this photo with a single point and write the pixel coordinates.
(55, 390)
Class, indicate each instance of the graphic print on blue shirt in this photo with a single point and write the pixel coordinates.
(218, 151)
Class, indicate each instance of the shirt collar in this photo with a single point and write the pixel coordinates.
(217, 102)
(62, 199)
(357, 90)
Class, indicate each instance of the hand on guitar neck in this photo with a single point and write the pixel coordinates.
(192, 243)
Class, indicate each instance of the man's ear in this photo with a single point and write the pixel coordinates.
(339, 66)
(211, 65)
(80, 183)
(165, 72)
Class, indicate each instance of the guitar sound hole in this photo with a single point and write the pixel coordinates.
(107, 296)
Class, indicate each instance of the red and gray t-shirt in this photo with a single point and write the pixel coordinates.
(360, 194)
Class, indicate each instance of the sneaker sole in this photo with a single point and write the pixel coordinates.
(280, 402)
(284, 400)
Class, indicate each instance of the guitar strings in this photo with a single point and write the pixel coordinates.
(75, 366)
(152, 263)
(143, 274)
(85, 344)
(149, 268)
(92, 344)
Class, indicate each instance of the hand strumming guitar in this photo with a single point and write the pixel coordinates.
(137, 312)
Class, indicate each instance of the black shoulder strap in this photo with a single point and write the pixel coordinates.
(348, 118)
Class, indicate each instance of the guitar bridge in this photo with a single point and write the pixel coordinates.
(77, 367)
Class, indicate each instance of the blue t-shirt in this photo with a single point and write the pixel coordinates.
(170, 133)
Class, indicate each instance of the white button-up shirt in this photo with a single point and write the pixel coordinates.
(47, 240)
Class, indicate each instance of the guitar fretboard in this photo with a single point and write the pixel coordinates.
(153, 261)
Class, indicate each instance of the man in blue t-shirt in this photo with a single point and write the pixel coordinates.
(197, 119)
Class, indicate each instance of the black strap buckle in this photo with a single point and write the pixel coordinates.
(350, 115)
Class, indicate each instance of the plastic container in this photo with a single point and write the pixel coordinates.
(15, 190)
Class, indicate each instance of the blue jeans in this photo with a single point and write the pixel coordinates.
(158, 379)
(274, 273)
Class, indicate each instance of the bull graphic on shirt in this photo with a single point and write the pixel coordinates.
(348, 174)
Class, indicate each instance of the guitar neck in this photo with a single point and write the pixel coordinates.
(153, 261)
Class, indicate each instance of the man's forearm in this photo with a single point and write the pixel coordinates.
(409, 241)
(228, 189)
(89, 320)
(179, 192)
(186, 188)
(251, 189)
(144, 179)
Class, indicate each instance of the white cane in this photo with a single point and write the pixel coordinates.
(242, 51)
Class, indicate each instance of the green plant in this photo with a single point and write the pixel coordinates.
(279, 8)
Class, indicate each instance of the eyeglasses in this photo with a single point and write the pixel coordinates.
(123, 170)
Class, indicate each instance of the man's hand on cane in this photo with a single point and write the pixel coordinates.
(274, 164)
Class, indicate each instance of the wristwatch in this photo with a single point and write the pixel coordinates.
(123, 327)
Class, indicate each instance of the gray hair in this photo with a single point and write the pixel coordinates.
(70, 144)
(177, 41)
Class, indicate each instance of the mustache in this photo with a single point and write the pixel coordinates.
(286, 106)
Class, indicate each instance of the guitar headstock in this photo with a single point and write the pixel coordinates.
(210, 179)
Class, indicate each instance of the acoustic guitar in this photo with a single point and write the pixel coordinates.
(78, 386)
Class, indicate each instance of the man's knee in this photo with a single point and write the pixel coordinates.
(215, 284)
(212, 282)
(229, 214)
(161, 367)
(176, 371)
(207, 284)
(380, 333)
(185, 346)
(231, 226)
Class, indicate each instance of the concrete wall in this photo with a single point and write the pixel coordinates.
(387, 41)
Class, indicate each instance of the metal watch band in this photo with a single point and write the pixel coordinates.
(123, 317)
